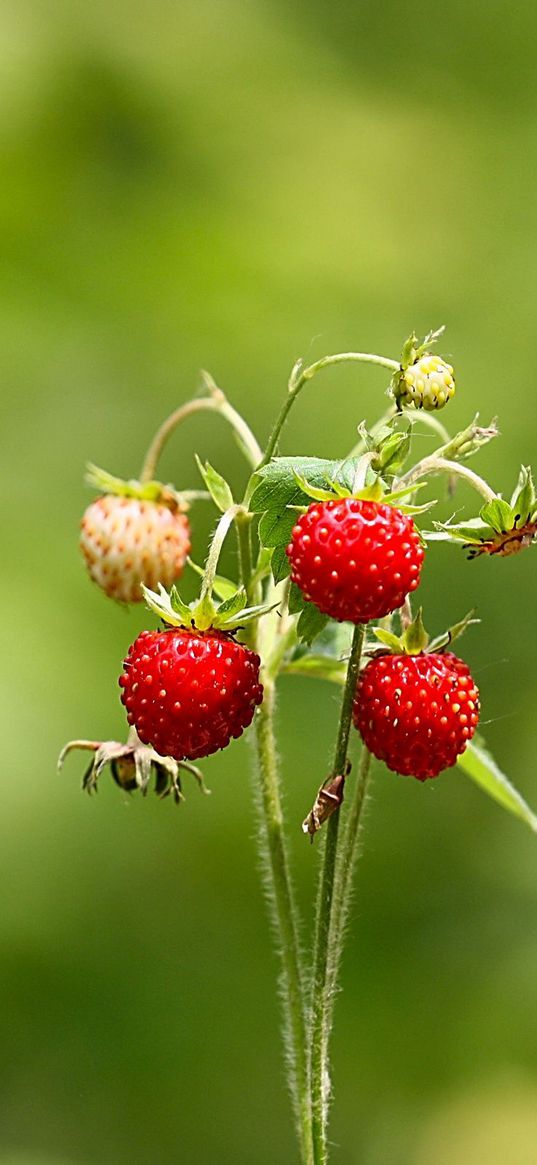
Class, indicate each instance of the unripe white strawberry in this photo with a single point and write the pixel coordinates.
(427, 384)
(127, 541)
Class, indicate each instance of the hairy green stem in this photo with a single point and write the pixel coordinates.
(216, 403)
(219, 536)
(275, 860)
(285, 921)
(346, 862)
(300, 376)
(325, 936)
(432, 465)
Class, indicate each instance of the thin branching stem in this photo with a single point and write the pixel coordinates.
(300, 376)
(325, 937)
(215, 403)
(430, 466)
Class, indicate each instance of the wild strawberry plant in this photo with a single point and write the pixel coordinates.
(330, 553)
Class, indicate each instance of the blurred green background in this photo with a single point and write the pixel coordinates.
(230, 185)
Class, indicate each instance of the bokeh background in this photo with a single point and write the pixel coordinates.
(231, 184)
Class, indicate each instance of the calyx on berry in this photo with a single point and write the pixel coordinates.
(132, 765)
(375, 491)
(415, 640)
(502, 528)
(424, 381)
(203, 614)
(145, 491)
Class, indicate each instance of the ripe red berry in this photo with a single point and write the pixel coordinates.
(127, 541)
(356, 560)
(416, 712)
(189, 692)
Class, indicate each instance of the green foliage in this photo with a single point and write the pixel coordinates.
(216, 485)
(478, 764)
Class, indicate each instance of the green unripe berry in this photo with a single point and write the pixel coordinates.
(427, 384)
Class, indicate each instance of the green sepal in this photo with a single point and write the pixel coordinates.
(523, 501)
(147, 491)
(413, 350)
(477, 763)
(415, 638)
(473, 531)
(204, 614)
(216, 485)
(243, 617)
(499, 515)
(317, 495)
(169, 607)
(235, 603)
(389, 639)
(448, 637)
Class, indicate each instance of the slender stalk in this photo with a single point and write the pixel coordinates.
(347, 856)
(275, 860)
(300, 376)
(322, 984)
(432, 465)
(285, 922)
(216, 403)
(219, 536)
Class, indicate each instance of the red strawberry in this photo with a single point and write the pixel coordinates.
(356, 560)
(416, 712)
(127, 541)
(189, 692)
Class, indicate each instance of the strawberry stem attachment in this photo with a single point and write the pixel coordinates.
(215, 402)
(325, 931)
(300, 376)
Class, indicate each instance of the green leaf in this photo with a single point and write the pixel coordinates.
(278, 487)
(276, 527)
(310, 623)
(217, 486)
(334, 641)
(297, 602)
(477, 763)
(498, 514)
(279, 564)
